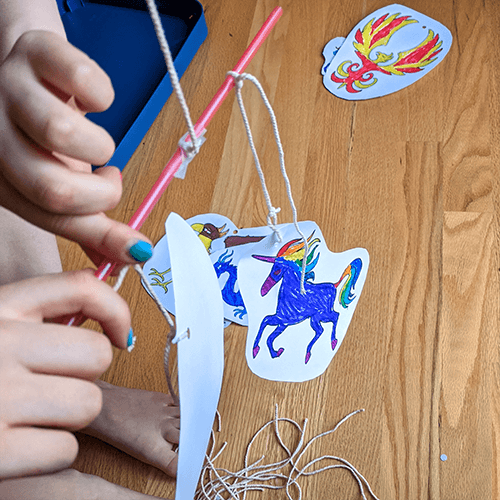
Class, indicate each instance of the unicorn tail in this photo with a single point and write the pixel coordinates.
(346, 295)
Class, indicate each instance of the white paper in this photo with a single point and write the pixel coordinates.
(198, 305)
(210, 228)
(272, 297)
(385, 52)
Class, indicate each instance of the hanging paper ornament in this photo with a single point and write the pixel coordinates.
(293, 336)
(226, 262)
(225, 245)
(200, 348)
(385, 52)
(210, 229)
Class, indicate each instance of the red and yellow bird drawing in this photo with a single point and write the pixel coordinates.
(376, 33)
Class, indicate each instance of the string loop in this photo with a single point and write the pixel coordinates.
(271, 217)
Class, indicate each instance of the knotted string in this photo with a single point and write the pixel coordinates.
(271, 217)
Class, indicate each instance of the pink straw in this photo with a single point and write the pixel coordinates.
(175, 162)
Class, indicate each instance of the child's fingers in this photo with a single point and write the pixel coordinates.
(68, 69)
(48, 183)
(56, 126)
(52, 401)
(27, 451)
(57, 295)
(53, 349)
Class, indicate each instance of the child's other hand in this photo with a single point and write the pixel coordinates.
(47, 146)
(46, 369)
(141, 423)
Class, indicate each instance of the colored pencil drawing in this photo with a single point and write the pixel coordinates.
(385, 52)
(378, 32)
(230, 292)
(293, 307)
(159, 279)
(208, 232)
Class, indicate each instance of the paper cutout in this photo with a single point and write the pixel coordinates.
(330, 51)
(413, 44)
(210, 229)
(225, 245)
(199, 322)
(226, 262)
(293, 337)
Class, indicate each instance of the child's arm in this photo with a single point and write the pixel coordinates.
(47, 146)
(65, 485)
(47, 369)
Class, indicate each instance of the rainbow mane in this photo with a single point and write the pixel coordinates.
(294, 251)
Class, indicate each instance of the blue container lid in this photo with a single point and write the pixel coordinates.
(120, 37)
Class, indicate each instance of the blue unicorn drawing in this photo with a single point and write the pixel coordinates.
(317, 302)
(230, 293)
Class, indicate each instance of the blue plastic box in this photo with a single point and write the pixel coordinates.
(119, 36)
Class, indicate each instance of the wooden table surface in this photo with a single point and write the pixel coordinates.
(413, 178)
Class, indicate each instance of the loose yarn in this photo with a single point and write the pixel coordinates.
(221, 484)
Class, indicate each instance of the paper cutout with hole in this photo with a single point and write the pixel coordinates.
(293, 337)
(225, 245)
(386, 52)
(200, 355)
(210, 229)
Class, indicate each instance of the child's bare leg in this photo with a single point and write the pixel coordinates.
(66, 485)
(25, 250)
(141, 423)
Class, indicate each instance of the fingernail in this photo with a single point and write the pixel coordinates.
(131, 340)
(141, 251)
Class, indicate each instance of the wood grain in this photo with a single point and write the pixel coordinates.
(412, 177)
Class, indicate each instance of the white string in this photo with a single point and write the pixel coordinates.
(271, 218)
(120, 278)
(216, 481)
(174, 78)
(166, 315)
(155, 297)
(170, 336)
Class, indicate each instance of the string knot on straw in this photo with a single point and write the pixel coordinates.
(190, 148)
(239, 78)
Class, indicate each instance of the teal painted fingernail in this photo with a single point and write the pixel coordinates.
(141, 251)
(130, 340)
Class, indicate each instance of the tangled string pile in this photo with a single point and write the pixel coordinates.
(220, 484)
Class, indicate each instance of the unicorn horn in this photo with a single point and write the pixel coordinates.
(264, 258)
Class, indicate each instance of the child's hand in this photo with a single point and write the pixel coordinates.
(47, 146)
(141, 423)
(46, 369)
